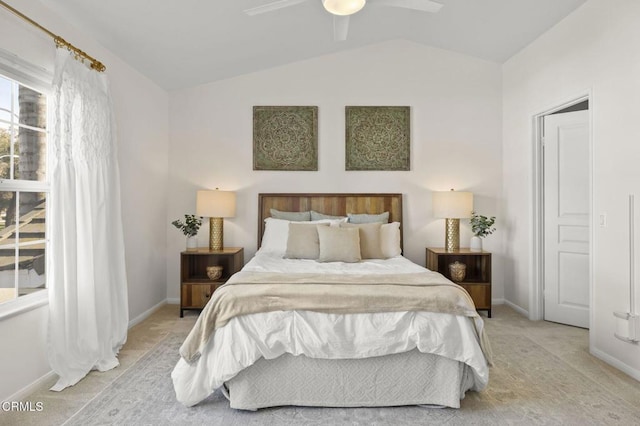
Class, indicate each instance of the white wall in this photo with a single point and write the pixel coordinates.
(594, 49)
(456, 139)
(142, 112)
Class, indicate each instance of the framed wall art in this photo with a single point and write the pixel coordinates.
(285, 138)
(377, 138)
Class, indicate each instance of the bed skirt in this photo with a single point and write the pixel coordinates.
(410, 378)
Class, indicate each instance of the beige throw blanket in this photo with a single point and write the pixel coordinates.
(255, 292)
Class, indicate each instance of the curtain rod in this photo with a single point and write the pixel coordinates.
(60, 42)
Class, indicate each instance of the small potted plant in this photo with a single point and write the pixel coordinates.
(189, 228)
(481, 226)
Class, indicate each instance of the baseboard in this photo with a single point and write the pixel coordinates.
(31, 388)
(497, 301)
(516, 308)
(614, 362)
(146, 314)
(173, 301)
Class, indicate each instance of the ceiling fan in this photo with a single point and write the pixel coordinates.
(342, 9)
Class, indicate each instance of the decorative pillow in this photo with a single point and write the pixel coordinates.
(295, 216)
(370, 246)
(369, 218)
(302, 241)
(319, 216)
(390, 240)
(339, 244)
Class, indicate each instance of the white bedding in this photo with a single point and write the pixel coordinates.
(246, 339)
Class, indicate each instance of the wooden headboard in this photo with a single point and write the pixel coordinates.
(331, 204)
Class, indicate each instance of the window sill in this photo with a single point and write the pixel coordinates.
(24, 304)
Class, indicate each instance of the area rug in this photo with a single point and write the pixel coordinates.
(528, 385)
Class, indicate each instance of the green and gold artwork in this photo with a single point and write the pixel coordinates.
(285, 138)
(378, 138)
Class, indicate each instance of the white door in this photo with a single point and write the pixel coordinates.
(566, 218)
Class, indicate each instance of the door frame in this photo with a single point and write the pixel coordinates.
(536, 289)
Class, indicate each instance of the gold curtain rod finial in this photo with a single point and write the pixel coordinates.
(98, 66)
(79, 55)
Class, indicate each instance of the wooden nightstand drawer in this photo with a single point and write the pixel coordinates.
(480, 293)
(195, 296)
(196, 289)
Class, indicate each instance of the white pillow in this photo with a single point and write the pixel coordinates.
(339, 244)
(274, 239)
(390, 240)
(276, 233)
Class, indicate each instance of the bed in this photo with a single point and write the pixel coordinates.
(304, 327)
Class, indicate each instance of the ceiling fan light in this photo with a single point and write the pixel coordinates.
(343, 7)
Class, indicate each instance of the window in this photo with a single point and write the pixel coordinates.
(24, 188)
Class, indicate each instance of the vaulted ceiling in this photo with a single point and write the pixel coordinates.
(183, 43)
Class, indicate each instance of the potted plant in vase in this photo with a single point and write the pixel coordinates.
(189, 228)
(481, 226)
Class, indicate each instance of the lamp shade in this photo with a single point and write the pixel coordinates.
(452, 204)
(343, 7)
(216, 203)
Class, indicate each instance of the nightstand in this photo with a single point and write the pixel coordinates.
(195, 287)
(477, 279)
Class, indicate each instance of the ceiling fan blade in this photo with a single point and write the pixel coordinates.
(270, 7)
(340, 27)
(423, 5)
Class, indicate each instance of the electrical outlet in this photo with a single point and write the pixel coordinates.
(603, 220)
(627, 327)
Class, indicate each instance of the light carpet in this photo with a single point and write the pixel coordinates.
(528, 385)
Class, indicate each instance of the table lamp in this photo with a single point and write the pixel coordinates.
(216, 205)
(452, 206)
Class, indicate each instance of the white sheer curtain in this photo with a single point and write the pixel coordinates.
(88, 306)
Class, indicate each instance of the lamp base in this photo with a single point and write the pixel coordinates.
(216, 233)
(452, 235)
